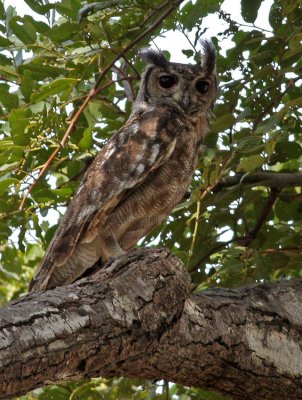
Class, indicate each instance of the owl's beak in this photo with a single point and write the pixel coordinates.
(185, 101)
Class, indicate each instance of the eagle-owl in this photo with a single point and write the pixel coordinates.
(141, 173)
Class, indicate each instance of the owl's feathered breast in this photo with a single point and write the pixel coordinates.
(153, 199)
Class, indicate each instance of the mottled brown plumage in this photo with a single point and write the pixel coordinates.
(141, 173)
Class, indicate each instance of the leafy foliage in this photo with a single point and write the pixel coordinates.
(51, 60)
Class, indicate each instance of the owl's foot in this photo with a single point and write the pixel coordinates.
(110, 249)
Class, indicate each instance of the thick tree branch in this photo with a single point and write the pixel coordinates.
(275, 101)
(278, 180)
(137, 318)
(252, 234)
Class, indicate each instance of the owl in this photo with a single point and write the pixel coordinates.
(140, 174)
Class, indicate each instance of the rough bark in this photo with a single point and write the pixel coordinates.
(137, 318)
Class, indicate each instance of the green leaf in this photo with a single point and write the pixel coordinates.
(295, 41)
(250, 163)
(263, 57)
(2, 11)
(6, 183)
(69, 8)
(275, 15)
(285, 150)
(8, 167)
(54, 88)
(40, 69)
(38, 6)
(188, 53)
(206, 7)
(249, 9)
(87, 141)
(287, 211)
(39, 26)
(190, 17)
(264, 71)
(9, 157)
(64, 193)
(63, 32)
(5, 60)
(5, 42)
(8, 72)
(268, 124)
(223, 123)
(19, 121)
(74, 168)
(33, 252)
(27, 85)
(23, 29)
(9, 100)
(289, 54)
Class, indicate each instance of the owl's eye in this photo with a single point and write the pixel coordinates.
(202, 86)
(167, 81)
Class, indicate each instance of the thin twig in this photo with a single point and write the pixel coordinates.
(250, 236)
(127, 84)
(62, 143)
(264, 214)
(207, 190)
(197, 215)
(214, 250)
(272, 104)
(138, 39)
(166, 387)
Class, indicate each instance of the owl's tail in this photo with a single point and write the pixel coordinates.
(51, 275)
(85, 256)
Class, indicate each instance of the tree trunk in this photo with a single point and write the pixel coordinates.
(137, 318)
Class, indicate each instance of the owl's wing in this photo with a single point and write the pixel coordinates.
(143, 144)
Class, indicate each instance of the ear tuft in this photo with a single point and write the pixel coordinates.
(208, 56)
(154, 57)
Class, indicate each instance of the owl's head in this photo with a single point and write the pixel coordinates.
(192, 88)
